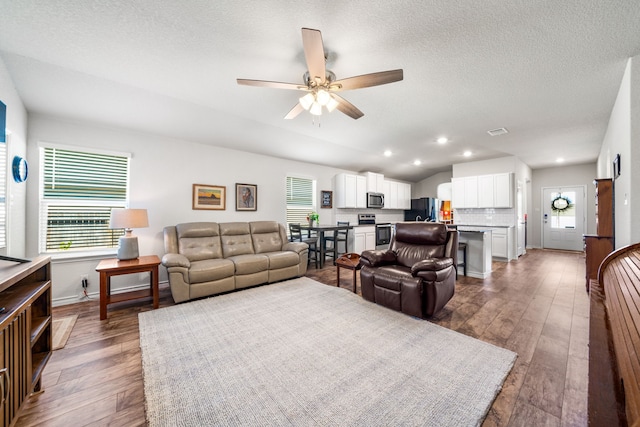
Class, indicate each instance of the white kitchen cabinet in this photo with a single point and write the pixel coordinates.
(486, 191)
(397, 195)
(361, 192)
(500, 247)
(483, 191)
(503, 242)
(464, 192)
(503, 190)
(391, 195)
(375, 182)
(364, 239)
(404, 196)
(351, 191)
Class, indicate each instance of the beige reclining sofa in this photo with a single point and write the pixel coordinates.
(208, 258)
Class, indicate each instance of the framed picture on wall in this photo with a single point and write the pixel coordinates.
(326, 199)
(209, 197)
(616, 166)
(246, 197)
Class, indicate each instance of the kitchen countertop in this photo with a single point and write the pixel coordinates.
(484, 226)
(473, 229)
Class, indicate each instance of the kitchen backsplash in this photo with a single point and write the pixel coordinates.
(495, 217)
(351, 215)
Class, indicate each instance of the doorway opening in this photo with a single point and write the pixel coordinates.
(563, 218)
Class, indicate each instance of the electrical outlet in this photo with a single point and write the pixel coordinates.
(84, 281)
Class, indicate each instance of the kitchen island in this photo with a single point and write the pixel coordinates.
(478, 240)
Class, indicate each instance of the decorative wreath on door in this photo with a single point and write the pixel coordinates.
(560, 204)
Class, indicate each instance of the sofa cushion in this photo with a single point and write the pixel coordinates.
(282, 259)
(266, 236)
(236, 239)
(199, 240)
(249, 264)
(209, 270)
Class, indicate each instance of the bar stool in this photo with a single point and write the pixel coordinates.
(462, 246)
(295, 235)
(335, 239)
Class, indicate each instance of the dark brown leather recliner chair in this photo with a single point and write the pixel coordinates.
(417, 274)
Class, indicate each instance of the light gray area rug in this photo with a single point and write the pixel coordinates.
(306, 354)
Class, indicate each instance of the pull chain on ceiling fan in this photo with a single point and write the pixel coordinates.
(321, 84)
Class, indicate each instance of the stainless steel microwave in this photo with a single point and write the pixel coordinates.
(375, 200)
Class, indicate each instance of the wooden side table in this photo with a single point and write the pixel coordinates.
(349, 261)
(114, 267)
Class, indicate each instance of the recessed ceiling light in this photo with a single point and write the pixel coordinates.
(417, 162)
(388, 153)
(443, 140)
(467, 153)
(559, 160)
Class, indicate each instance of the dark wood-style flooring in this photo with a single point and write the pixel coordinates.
(536, 306)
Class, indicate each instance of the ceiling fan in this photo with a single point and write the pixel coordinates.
(321, 84)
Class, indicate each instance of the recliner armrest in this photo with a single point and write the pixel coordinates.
(431, 264)
(377, 258)
(175, 260)
(296, 247)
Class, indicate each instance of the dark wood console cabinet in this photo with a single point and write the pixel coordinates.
(25, 332)
(598, 246)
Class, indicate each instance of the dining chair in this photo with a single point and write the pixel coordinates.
(295, 235)
(335, 238)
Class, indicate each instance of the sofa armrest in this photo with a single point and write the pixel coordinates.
(297, 247)
(431, 264)
(377, 258)
(175, 260)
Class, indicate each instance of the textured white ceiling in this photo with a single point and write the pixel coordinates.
(549, 71)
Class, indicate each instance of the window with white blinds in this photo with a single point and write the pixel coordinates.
(78, 190)
(4, 167)
(300, 199)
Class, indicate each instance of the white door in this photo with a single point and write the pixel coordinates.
(563, 218)
(521, 222)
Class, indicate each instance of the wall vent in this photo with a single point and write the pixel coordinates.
(496, 132)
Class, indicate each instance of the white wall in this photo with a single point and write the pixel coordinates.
(16, 192)
(622, 137)
(162, 173)
(428, 187)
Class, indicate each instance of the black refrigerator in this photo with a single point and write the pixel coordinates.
(423, 209)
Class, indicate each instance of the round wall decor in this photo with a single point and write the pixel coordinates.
(560, 203)
(20, 169)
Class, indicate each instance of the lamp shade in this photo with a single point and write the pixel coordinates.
(128, 218)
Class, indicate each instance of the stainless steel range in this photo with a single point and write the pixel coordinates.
(383, 230)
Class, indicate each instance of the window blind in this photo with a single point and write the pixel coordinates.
(78, 191)
(300, 199)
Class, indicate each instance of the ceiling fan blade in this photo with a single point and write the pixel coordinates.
(367, 80)
(297, 109)
(347, 108)
(314, 54)
(274, 85)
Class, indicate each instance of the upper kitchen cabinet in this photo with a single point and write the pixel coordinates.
(351, 191)
(397, 195)
(484, 191)
(503, 190)
(375, 182)
(464, 192)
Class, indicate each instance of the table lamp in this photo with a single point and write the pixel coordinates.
(128, 219)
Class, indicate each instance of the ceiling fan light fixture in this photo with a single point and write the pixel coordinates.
(307, 100)
(332, 104)
(316, 109)
(323, 97)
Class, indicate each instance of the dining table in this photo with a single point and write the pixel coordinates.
(321, 229)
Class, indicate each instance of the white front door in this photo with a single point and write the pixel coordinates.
(563, 218)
